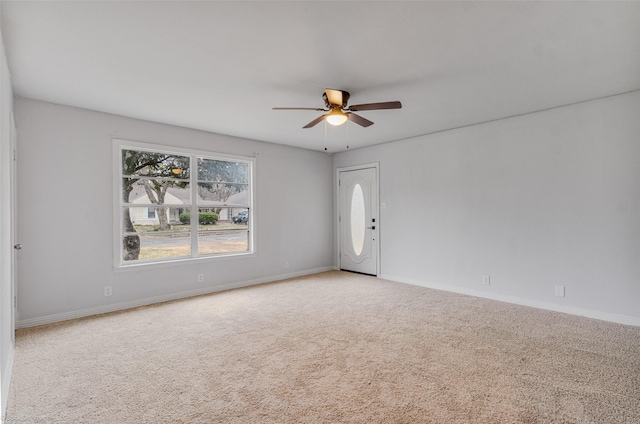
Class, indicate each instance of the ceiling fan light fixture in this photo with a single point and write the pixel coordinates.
(335, 102)
(336, 117)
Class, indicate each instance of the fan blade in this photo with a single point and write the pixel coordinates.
(334, 96)
(359, 120)
(314, 122)
(376, 106)
(300, 108)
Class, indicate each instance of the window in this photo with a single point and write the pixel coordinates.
(159, 190)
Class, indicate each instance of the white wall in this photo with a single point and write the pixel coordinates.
(65, 208)
(6, 343)
(550, 198)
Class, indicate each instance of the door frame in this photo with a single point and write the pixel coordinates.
(375, 212)
(13, 193)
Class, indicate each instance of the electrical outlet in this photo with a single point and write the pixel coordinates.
(560, 291)
(200, 278)
(286, 264)
(108, 291)
(486, 280)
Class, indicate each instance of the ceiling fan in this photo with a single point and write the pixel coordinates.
(336, 104)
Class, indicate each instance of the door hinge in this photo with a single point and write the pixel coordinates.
(15, 301)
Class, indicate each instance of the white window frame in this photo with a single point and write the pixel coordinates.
(119, 145)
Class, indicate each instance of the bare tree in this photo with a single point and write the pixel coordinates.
(156, 192)
(156, 172)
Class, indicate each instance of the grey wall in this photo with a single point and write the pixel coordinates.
(65, 206)
(550, 198)
(6, 343)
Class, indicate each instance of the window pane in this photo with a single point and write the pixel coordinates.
(146, 191)
(357, 219)
(142, 219)
(147, 238)
(155, 164)
(155, 246)
(223, 171)
(224, 236)
(219, 194)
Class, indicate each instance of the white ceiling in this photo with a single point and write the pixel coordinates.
(222, 66)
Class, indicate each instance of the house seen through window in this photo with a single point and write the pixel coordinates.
(179, 205)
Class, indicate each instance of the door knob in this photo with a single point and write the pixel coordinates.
(371, 228)
(17, 246)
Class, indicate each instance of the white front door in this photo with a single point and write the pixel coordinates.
(358, 200)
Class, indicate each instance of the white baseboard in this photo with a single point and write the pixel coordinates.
(32, 322)
(572, 310)
(6, 383)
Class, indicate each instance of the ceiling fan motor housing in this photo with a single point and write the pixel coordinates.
(345, 100)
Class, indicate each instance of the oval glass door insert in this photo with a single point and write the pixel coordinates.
(357, 219)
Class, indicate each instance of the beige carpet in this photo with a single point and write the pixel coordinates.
(329, 348)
